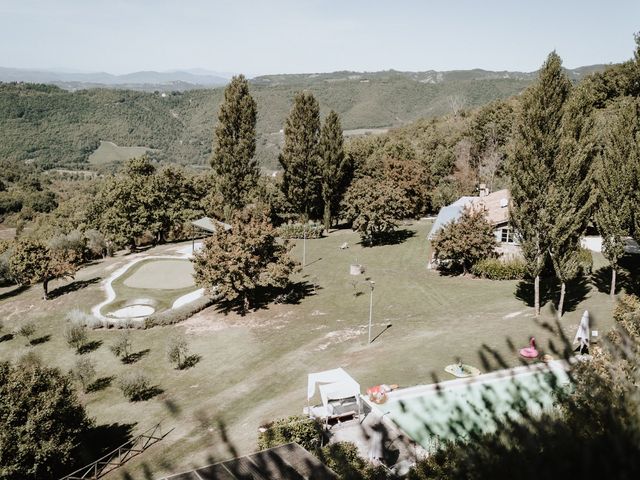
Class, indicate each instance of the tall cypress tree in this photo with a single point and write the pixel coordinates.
(300, 156)
(617, 182)
(571, 194)
(537, 135)
(235, 144)
(332, 164)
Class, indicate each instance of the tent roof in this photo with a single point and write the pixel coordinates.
(210, 225)
(336, 377)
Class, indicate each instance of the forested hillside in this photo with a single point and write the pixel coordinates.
(56, 128)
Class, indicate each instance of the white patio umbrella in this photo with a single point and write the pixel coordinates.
(582, 335)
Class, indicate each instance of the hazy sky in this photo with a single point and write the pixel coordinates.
(287, 36)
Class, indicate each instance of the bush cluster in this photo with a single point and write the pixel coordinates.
(496, 269)
(177, 315)
(297, 230)
(585, 260)
(134, 386)
(306, 432)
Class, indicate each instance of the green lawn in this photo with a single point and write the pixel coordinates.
(254, 368)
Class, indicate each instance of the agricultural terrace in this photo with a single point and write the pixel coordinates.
(253, 369)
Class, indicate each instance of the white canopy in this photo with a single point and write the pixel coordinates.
(333, 384)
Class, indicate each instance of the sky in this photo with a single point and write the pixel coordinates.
(304, 36)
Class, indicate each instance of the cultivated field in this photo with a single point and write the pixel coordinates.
(253, 368)
(109, 153)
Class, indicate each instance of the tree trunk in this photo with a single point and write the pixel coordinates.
(613, 283)
(536, 295)
(563, 289)
(327, 216)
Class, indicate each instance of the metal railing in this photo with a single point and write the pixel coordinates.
(119, 456)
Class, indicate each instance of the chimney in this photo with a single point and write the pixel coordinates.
(484, 191)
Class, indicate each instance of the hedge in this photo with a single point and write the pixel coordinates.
(177, 315)
(496, 269)
(297, 230)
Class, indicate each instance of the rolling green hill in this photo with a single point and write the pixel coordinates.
(52, 127)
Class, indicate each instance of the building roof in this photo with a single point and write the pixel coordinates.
(210, 225)
(495, 205)
(286, 462)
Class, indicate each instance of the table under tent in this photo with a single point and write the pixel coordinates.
(339, 393)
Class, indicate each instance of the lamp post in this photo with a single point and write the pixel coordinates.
(371, 285)
(304, 246)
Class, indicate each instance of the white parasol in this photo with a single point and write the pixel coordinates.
(582, 335)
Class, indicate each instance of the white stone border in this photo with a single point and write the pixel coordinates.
(111, 294)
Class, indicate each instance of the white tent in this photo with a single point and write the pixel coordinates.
(339, 392)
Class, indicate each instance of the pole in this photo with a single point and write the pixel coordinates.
(304, 247)
(371, 284)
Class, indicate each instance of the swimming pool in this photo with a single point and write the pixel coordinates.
(452, 410)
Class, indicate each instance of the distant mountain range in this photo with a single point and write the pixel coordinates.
(182, 80)
(144, 80)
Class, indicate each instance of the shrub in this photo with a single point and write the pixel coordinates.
(84, 371)
(135, 386)
(27, 330)
(496, 269)
(122, 346)
(585, 260)
(177, 350)
(177, 315)
(75, 335)
(297, 230)
(79, 317)
(306, 432)
(344, 459)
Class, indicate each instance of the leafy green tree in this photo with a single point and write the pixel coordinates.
(32, 262)
(84, 371)
(75, 334)
(617, 182)
(41, 422)
(174, 203)
(570, 197)
(233, 159)
(333, 165)
(304, 431)
(300, 156)
(235, 262)
(123, 208)
(373, 207)
(537, 139)
(464, 242)
(414, 182)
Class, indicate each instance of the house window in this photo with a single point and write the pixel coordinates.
(506, 235)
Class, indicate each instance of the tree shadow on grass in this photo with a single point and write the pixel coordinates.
(134, 357)
(12, 293)
(100, 440)
(100, 384)
(148, 393)
(72, 287)
(577, 291)
(261, 297)
(6, 337)
(190, 361)
(394, 237)
(89, 347)
(40, 340)
(627, 278)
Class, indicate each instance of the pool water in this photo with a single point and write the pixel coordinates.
(430, 414)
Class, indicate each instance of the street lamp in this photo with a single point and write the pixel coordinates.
(371, 285)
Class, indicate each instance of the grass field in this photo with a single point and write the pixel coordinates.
(109, 153)
(253, 368)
